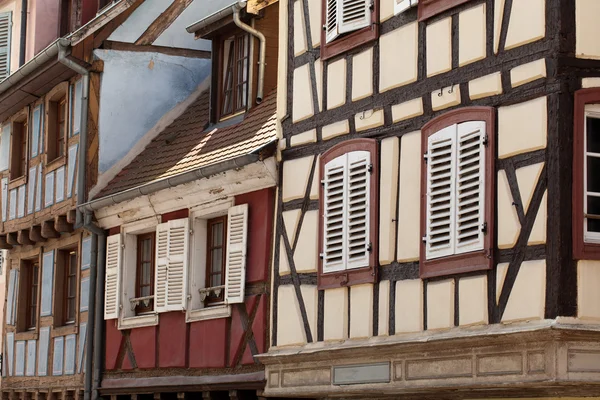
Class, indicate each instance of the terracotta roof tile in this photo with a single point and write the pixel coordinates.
(186, 145)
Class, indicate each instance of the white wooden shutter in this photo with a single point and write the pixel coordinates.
(237, 237)
(331, 21)
(353, 15)
(440, 193)
(358, 203)
(334, 215)
(112, 285)
(5, 38)
(172, 240)
(470, 186)
(403, 5)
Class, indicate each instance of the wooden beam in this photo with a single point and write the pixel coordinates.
(163, 22)
(61, 225)
(23, 237)
(48, 230)
(171, 51)
(4, 245)
(254, 6)
(11, 238)
(71, 216)
(35, 234)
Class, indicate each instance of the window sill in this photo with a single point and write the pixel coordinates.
(346, 278)
(222, 311)
(586, 251)
(349, 42)
(55, 164)
(15, 183)
(138, 322)
(457, 264)
(27, 335)
(64, 330)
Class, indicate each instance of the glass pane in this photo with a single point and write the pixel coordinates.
(593, 207)
(146, 273)
(145, 291)
(217, 234)
(593, 174)
(72, 263)
(147, 250)
(217, 260)
(215, 280)
(71, 285)
(593, 134)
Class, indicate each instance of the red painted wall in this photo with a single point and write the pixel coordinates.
(217, 343)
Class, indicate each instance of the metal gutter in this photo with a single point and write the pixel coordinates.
(180, 179)
(211, 19)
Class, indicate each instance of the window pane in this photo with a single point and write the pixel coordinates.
(215, 280)
(146, 291)
(217, 234)
(593, 207)
(593, 174)
(147, 250)
(217, 260)
(146, 273)
(593, 134)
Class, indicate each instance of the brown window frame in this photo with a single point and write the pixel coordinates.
(140, 308)
(351, 40)
(55, 140)
(68, 279)
(582, 250)
(478, 260)
(30, 294)
(237, 34)
(430, 8)
(209, 265)
(356, 276)
(61, 296)
(19, 138)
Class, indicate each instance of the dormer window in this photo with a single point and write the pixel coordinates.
(235, 51)
(56, 123)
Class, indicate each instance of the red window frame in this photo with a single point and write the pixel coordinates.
(430, 8)
(139, 282)
(210, 246)
(477, 260)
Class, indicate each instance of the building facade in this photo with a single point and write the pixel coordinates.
(436, 227)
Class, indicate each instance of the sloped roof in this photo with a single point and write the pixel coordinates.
(186, 145)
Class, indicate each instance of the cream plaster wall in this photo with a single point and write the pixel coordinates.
(314, 11)
(409, 306)
(439, 47)
(388, 190)
(527, 23)
(290, 329)
(335, 318)
(316, 183)
(540, 226)
(384, 308)
(527, 178)
(336, 84)
(305, 254)
(522, 127)
(386, 9)
(336, 129)
(590, 83)
(528, 72)
(362, 75)
(498, 15)
(527, 297)
(440, 304)
(290, 222)
(368, 119)
(471, 35)
(398, 54)
(361, 311)
(284, 265)
(303, 102)
(472, 300)
(450, 96)
(295, 177)
(508, 220)
(409, 210)
(408, 109)
(587, 29)
(300, 45)
(485, 86)
(588, 295)
(282, 76)
(304, 138)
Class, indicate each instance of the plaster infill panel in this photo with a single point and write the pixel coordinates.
(398, 54)
(409, 306)
(302, 107)
(588, 295)
(368, 119)
(290, 328)
(361, 311)
(529, 72)
(440, 304)
(336, 84)
(335, 321)
(284, 265)
(446, 97)
(539, 229)
(305, 254)
(439, 47)
(362, 75)
(135, 25)
(522, 127)
(388, 190)
(587, 29)
(409, 194)
(384, 308)
(527, 23)
(472, 301)
(527, 297)
(527, 179)
(498, 17)
(336, 129)
(489, 85)
(314, 10)
(408, 109)
(296, 174)
(508, 220)
(300, 45)
(471, 35)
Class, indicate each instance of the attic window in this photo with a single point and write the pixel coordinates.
(235, 52)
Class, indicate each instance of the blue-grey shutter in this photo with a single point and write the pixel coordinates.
(81, 347)
(20, 358)
(86, 253)
(44, 349)
(47, 281)
(5, 34)
(70, 342)
(31, 358)
(84, 297)
(58, 355)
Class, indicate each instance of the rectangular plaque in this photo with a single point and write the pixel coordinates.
(364, 373)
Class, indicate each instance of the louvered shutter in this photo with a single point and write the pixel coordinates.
(112, 285)
(334, 215)
(358, 204)
(5, 38)
(237, 232)
(440, 193)
(470, 186)
(331, 21)
(171, 266)
(353, 15)
(402, 5)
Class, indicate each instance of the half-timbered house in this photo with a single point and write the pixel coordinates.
(190, 226)
(69, 115)
(436, 232)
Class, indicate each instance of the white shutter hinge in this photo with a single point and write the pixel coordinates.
(484, 227)
(370, 168)
(370, 247)
(323, 182)
(424, 239)
(426, 157)
(324, 27)
(485, 140)
(372, 6)
(322, 256)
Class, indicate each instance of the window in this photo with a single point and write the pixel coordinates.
(56, 129)
(5, 38)
(145, 273)
(65, 304)
(215, 260)
(349, 202)
(19, 148)
(457, 191)
(28, 295)
(429, 8)
(348, 24)
(234, 74)
(403, 5)
(586, 179)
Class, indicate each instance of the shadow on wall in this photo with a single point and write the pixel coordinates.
(136, 91)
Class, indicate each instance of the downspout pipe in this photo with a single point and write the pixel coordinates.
(262, 47)
(23, 38)
(64, 46)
